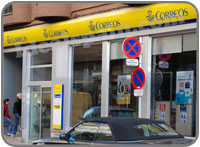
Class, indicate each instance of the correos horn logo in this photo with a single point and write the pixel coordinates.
(149, 16)
(92, 26)
(16, 39)
(103, 25)
(53, 33)
(159, 15)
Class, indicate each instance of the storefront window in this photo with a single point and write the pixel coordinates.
(122, 103)
(86, 79)
(173, 91)
(41, 56)
(41, 65)
(41, 74)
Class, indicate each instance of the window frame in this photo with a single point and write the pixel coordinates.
(94, 139)
(73, 48)
(148, 130)
(10, 8)
(168, 34)
(39, 66)
(73, 129)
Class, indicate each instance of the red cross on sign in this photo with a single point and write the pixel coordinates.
(131, 47)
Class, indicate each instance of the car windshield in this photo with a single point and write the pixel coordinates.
(93, 112)
(149, 130)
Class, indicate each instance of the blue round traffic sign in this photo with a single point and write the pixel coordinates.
(131, 47)
(138, 78)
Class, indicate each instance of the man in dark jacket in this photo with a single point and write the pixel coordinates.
(17, 111)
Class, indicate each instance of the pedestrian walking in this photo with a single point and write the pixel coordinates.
(7, 117)
(17, 112)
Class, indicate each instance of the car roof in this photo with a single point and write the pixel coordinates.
(120, 108)
(112, 120)
(115, 108)
(122, 127)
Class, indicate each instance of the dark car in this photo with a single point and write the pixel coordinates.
(114, 111)
(118, 130)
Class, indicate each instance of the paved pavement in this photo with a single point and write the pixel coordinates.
(10, 140)
(13, 140)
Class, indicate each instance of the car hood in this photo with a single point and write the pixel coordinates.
(170, 141)
(49, 141)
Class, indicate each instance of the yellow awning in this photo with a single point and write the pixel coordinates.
(137, 17)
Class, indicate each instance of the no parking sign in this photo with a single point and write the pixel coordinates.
(131, 47)
(138, 78)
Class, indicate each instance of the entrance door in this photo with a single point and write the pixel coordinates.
(40, 112)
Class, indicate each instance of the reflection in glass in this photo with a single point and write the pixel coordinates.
(92, 131)
(148, 130)
(46, 112)
(121, 89)
(41, 74)
(86, 79)
(40, 112)
(41, 56)
(104, 133)
(85, 131)
(164, 89)
(35, 102)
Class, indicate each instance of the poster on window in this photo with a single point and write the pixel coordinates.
(183, 118)
(123, 89)
(162, 108)
(183, 108)
(184, 87)
(162, 116)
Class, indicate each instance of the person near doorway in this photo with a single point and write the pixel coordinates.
(17, 111)
(7, 117)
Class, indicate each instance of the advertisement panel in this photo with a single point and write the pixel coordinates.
(58, 93)
(184, 87)
(123, 89)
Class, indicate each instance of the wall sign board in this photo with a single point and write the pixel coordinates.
(123, 89)
(58, 93)
(184, 87)
(132, 62)
(138, 92)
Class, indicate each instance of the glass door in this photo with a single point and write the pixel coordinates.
(40, 112)
(35, 104)
(46, 112)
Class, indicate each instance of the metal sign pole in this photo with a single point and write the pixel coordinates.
(140, 65)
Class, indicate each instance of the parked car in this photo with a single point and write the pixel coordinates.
(114, 111)
(118, 130)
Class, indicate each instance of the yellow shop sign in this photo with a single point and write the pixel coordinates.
(129, 18)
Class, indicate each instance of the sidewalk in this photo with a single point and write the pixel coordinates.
(14, 140)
